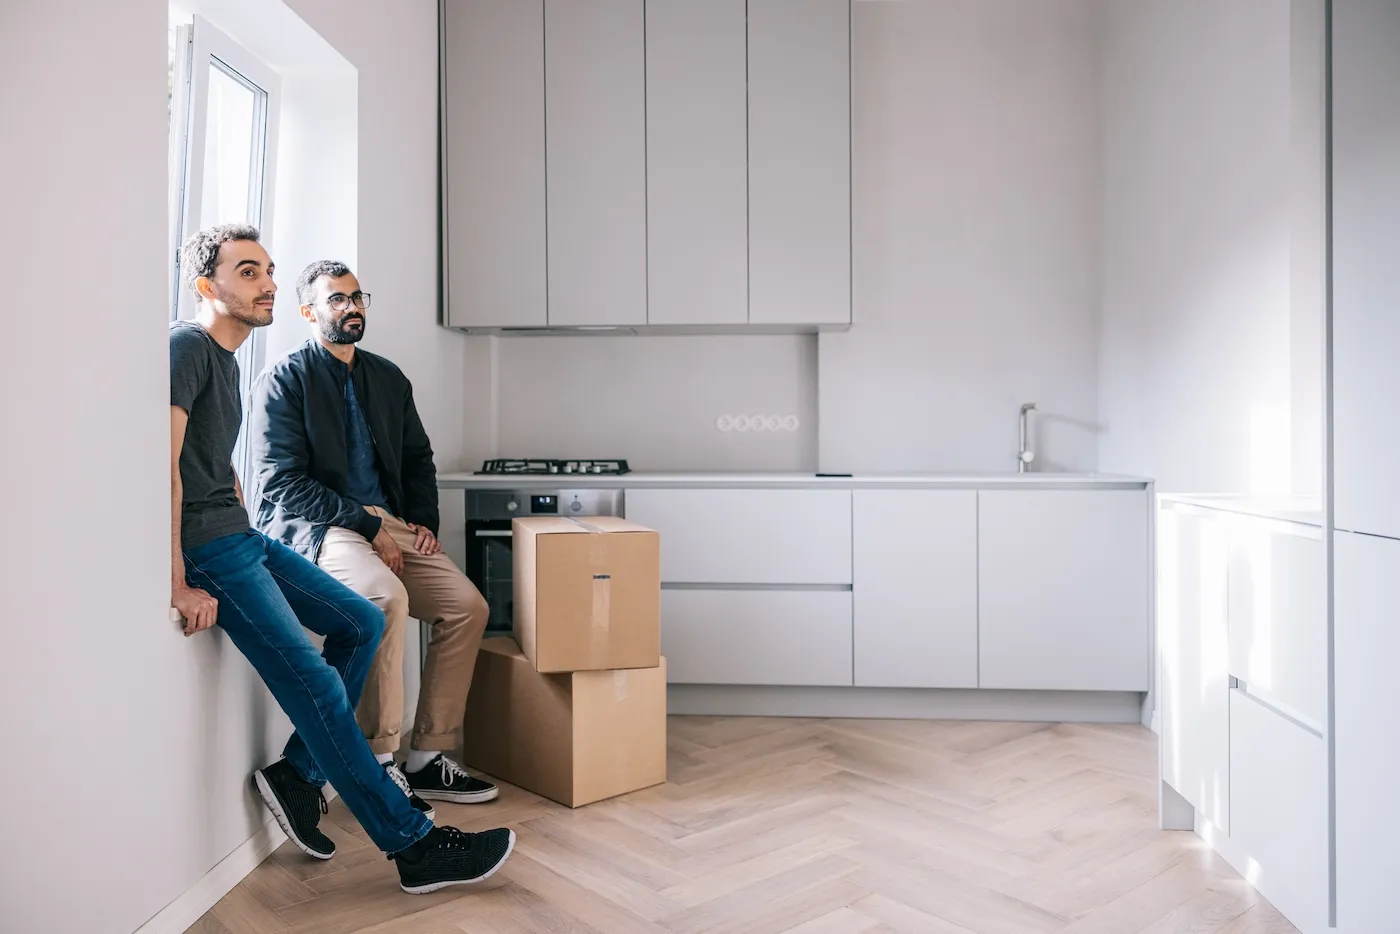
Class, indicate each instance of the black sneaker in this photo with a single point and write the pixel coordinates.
(397, 775)
(444, 780)
(297, 804)
(448, 856)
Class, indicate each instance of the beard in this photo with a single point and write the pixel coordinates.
(245, 311)
(339, 331)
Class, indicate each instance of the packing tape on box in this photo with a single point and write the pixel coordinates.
(597, 547)
(620, 685)
(600, 615)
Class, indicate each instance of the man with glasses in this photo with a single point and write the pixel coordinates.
(343, 474)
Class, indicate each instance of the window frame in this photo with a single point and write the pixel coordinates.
(200, 46)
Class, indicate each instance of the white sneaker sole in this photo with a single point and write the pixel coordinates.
(434, 886)
(459, 797)
(273, 805)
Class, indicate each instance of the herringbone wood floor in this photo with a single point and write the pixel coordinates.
(808, 827)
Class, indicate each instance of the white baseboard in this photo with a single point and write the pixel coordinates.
(903, 703)
(181, 914)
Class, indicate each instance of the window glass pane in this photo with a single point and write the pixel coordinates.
(228, 151)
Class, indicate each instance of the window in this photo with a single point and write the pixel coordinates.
(224, 107)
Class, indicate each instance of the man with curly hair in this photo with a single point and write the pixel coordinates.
(262, 594)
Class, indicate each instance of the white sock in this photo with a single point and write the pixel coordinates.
(385, 758)
(417, 758)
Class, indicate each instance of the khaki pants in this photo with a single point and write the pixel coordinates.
(434, 590)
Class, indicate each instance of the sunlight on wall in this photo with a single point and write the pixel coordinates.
(1270, 450)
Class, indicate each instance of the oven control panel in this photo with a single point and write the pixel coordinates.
(485, 505)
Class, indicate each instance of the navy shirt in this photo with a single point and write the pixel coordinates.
(363, 476)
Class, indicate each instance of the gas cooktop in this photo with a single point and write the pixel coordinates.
(552, 466)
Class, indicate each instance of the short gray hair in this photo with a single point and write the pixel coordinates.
(309, 275)
(200, 253)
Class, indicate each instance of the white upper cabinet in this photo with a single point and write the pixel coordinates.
(595, 134)
(696, 162)
(494, 244)
(799, 161)
(665, 164)
(1366, 271)
(1063, 590)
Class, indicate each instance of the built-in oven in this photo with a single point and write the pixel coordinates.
(489, 558)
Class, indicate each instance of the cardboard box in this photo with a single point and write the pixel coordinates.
(587, 593)
(574, 738)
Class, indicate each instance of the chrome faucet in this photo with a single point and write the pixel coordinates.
(1025, 456)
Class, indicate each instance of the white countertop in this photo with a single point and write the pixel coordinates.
(1305, 509)
(691, 480)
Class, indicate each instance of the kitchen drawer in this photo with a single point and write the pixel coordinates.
(790, 637)
(748, 536)
(1278, 808)
(1278, 614)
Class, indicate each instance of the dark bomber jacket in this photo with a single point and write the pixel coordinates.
(296, 433)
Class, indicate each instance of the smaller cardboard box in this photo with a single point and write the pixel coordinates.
(587, 593)
(574, 738)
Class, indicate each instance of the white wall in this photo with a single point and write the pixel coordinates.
(102, 690)
(94, 679)
(1210, 372)
(976, 193)
(394, 48)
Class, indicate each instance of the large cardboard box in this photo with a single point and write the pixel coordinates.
(587, 593)
(574, 738)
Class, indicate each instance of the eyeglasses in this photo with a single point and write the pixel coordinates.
(340, 301)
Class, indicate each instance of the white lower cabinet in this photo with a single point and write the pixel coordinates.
(1062, 583)
(756, 636)
(1278, 614)
(1241, 630)
(903, 587)
(1366, 635)
(1192, 637)
(1278, 809)
(915, 585)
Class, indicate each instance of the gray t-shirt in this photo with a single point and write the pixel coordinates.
(204, 382)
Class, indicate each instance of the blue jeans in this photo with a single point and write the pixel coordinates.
(266, 594)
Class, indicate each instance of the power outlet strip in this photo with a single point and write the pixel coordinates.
(757, 423)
